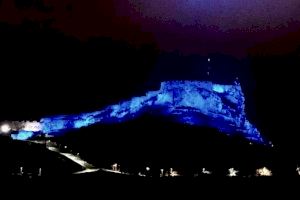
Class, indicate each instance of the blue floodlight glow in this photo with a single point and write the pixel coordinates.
(218, 88)
(194, 103)
(22, 135)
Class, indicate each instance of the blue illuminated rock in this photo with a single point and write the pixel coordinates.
(22, 135)
(190, 102)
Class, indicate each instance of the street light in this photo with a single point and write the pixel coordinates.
(5, 128)
(232, 172)
(263, 172)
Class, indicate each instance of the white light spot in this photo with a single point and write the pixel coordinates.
(32, 126)
(208, 59)
(263, 172)
(232, 172)
(147, 168)
(204, 171)
(140, 174)
(161, 172)
(298, 170)
(173, 172)
(5, 128)
(116, 167)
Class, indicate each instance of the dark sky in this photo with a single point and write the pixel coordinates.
(190, 26)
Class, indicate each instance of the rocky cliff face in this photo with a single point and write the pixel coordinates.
(189, 102)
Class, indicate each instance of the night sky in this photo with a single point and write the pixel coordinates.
(190, 26)
(126, 47)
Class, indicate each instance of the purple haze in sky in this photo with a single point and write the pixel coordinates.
(225, 14)
(189, 26)
(226, 26)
